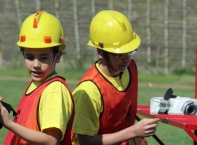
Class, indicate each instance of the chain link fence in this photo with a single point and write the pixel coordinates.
(167, 29)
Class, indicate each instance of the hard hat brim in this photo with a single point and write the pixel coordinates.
(134, 44)
(40, 45)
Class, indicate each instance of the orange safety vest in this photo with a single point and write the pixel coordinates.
(119, 107)
(27, 114)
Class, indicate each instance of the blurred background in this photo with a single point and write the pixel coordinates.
(166, 57)
(167, 29)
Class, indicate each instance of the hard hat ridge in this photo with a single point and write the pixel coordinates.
(41, 30)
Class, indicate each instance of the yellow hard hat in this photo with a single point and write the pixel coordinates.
(111, 31)
(41, 30)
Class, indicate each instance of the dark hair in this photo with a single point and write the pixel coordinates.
(55, 49)
(105, 54)
(21, 49)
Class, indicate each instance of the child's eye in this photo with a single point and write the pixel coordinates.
(29, 57)
(44, 58)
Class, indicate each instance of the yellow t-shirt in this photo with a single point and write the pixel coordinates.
(88, 104)
(55, 106)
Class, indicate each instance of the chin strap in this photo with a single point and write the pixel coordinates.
(9, 108)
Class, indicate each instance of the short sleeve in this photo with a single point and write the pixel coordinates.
(88, 106)
(55, 107)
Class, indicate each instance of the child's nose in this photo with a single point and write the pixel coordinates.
(36, 63)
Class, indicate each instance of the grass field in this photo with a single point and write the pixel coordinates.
(149, 86)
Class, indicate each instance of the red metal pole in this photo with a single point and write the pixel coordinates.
(196, 76)
(195, 131)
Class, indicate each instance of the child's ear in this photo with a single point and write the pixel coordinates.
(58, 56)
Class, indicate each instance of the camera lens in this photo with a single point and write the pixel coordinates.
(189, 108)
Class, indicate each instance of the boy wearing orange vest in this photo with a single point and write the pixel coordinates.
(45, 113)
(106, 96)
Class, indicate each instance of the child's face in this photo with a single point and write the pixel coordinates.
(115, 63)
(40, 63)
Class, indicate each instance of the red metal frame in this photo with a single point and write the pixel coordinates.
(196, 76)
(186, 122)
(195, 131)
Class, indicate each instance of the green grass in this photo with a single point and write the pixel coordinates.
(149, 86)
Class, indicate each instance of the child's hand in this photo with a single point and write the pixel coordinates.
(146, 127)
(0, 114)
(4, 114)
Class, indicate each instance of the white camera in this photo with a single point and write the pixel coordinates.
(170, 104)
(178, 105)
